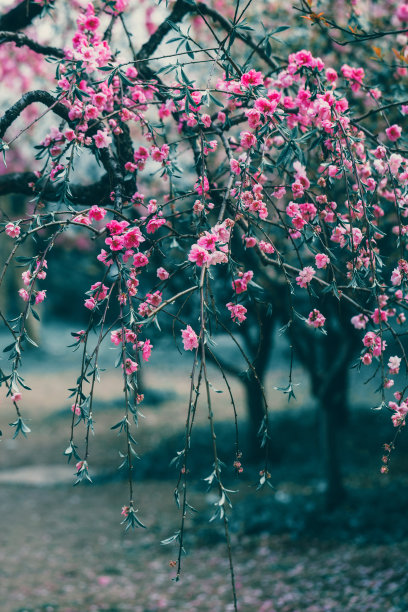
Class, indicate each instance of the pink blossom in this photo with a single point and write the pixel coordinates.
(198, 207)
(90, 303)
(130, 366)
(373, 342)
(303, 58)
(265, 106)
(331, 75)
(154, 298)
(206, 119)
(116, 243)
(238, 312)
(130, 336)
(100, 291)
(297, 189)
(234, 165)
(399, 416)
(162, 273)
(266, 247)
(26, 276)
(102, 139)
(322, 260)
(240, 284)
(161, 154)
(254, 118)
(91, 112)
(84, 219)
(396, 277)
(394, 364)
(305, 276)
(315, 318)
(359, 321)
(248, 140)
(208, 241)
(395, 160)
(117, 227)
(23, 293)
(252, 79)
(292, 209)
(250, 241)
(379, 315)
(116, 337)
(146, 350)
(355, 75)
(40, 296)
(357, 236)
(81, 466)
(199, 255)
(104, 258)
(76, 409)
(202, 185)
(394, 132)
(154, 224)
(218, 257)
(133, 238)
(13, 230)
(196, 95)
(97, 213)
(140, 260)
(190, 338)
(300, 174)
(402, 12)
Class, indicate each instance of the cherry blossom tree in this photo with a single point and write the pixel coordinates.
(227, 160)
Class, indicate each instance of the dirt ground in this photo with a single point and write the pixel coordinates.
(62, 548)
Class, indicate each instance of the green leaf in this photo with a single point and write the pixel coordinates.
(280, 29)
(171, 539)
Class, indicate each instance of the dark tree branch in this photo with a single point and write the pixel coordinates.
(21, 40)
(358, 38)
(19, 182)
(246, 38)
(180, 9)
(20, 16)
(29, 98)
(115, 174)
(380, 109)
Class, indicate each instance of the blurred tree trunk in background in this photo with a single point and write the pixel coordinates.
(327, 361)
(258, 347)
(259, 351)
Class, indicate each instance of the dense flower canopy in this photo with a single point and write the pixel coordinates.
(224, 167)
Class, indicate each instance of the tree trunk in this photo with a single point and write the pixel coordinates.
(335, 491)
(256, 412)
(253, 392)
(331, 387)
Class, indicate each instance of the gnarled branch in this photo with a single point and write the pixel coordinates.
(20, 16)
(21, 40)
(19, 182)
(29, 98)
